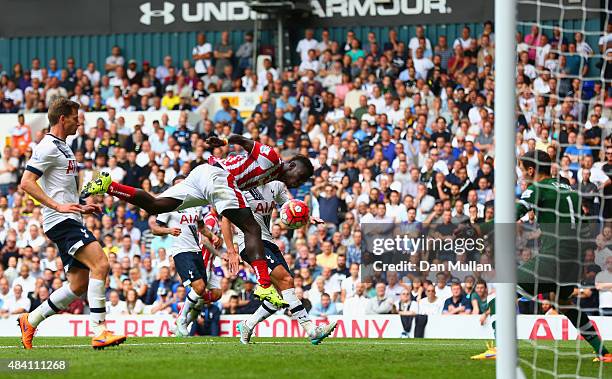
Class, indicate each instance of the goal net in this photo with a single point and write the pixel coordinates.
(563, 239)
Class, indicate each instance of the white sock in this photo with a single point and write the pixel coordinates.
(97, 305)
(195, 311)
(190, 302)
(58, 301)
(298, 312)
(265, 310)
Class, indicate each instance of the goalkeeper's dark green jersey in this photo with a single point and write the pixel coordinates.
(552, 201)
(557, 211)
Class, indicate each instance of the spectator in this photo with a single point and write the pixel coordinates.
(207, 323)
(429, 305)
(380, 304)
(223, 53)
(16, 303)
(115, 305)
(163, 303)
(8, 167)
(324, 308)
(457, 304)
(603, 283)
(327, 258)
(163, 285)
(244, 54)
(407, 307)
(247, 303)
(112, 62)
(170, 100)
(357, 304)
(202, 54)
(25, 281)
(479, 299)
(133, 305)
(307, 44)
(349, 284)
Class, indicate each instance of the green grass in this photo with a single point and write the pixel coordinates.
(201, 357)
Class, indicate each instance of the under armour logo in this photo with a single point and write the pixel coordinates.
(166, 13)
(85, 233)
(191, 274)
(270, 258)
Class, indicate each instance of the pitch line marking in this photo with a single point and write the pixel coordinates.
(234, 342)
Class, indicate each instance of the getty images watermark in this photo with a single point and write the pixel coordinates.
(461, 249)
(413, 246)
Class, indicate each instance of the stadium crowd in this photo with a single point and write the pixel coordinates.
(398, 131)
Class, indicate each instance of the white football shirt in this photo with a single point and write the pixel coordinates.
(187, 220)
(53, 160)
(263, 200)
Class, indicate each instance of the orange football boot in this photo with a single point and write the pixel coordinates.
(105, 339)
(604, 358)
(27, 331)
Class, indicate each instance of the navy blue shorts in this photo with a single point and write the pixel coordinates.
(190, 267)
(274, 257)
(69, 236)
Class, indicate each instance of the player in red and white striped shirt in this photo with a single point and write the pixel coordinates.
(211, 222)
(220, 184)
(262, 165)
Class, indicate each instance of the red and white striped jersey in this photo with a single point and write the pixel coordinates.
(261, 166)
(211, 221)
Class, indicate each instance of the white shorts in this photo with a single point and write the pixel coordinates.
(207, 184)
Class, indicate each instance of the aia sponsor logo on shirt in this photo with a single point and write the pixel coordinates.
(189, 219)
(265, 207)
(72, 167)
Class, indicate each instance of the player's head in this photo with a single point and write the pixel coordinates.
(177, 179)
(297, 171)
(64, 113)
(535, 164)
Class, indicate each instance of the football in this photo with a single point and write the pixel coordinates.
(295, 214)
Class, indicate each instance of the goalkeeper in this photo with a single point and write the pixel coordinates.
(554, 269)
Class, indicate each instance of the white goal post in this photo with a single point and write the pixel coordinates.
(505, 63)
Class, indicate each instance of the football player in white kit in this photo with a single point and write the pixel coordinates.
(194, 268)
(263, 200)
(220, 183)
(54, 167)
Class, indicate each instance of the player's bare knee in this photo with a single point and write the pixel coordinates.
(79, 281)
(100, 268)
(199, 287)
(285, 282)
(79, 288)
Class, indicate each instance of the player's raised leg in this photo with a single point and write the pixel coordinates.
(153, 205)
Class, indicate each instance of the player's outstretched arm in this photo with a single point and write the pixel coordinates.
(162, 230)
(232, 255)
(216, 241)
(234, 139)
(28, 183)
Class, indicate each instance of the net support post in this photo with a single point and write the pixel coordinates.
(505, 67)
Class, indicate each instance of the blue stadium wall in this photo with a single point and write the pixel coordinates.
(153, 46)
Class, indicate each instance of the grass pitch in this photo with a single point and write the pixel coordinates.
(206, 357)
